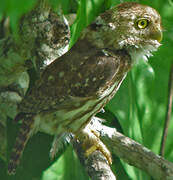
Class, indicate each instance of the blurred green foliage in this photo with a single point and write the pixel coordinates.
(138, 109)
(14, 9)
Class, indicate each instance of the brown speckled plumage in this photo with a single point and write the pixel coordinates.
(77, 85)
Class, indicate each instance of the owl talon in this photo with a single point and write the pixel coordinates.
(90, 150)
(90, 142)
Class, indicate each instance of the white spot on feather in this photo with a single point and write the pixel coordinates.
(112, 26)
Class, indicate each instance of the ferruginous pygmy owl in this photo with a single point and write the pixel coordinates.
(77, 85)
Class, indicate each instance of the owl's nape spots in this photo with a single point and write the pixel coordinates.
(77, 85)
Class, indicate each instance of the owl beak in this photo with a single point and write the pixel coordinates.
(157, 35)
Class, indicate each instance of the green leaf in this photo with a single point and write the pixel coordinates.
(87, 11)
(14, 9)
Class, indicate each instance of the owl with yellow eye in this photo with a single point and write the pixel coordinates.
(74, 87)
(142, 23)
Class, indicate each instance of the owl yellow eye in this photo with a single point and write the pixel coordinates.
(142, 23)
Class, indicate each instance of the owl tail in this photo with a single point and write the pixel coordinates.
(21, 140)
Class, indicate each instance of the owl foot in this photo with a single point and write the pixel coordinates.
(90, 142)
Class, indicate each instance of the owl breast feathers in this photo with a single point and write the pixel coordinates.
(77, 85)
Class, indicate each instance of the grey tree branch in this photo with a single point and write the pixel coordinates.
(96, 164)
(134, 153)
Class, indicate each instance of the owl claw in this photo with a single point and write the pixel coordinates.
(90, 142)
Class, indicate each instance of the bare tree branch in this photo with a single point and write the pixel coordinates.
(134, 153)
(96, 164)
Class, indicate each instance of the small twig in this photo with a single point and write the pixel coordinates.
(168, 113)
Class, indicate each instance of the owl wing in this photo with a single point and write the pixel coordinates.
(83, 72)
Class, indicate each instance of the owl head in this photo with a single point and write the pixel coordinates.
(131, 26)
